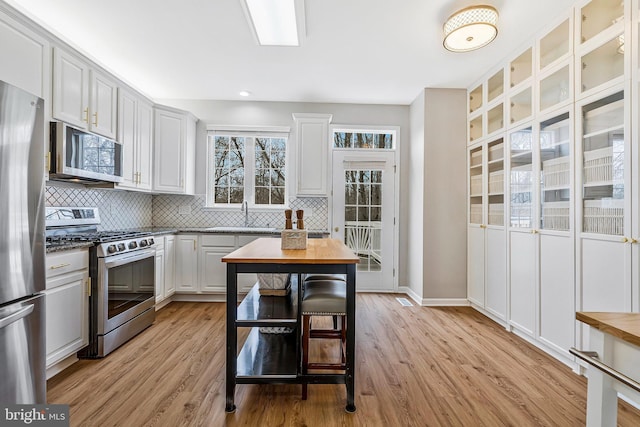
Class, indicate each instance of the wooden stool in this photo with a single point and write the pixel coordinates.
(323, 298)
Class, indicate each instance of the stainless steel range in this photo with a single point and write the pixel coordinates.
(122, 271)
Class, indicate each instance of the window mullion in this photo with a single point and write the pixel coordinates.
(249, 170)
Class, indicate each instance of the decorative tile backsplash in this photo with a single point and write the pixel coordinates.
(189, 212)
(118, 209)
(124, 209)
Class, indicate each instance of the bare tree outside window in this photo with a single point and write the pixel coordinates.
(364, 140)
(229, 169)
(246, 165)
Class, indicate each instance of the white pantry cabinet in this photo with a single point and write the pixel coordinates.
(486, 233)
(174, 151)
(82, 96)
(135, 133)
(312, 154)
(67, 304)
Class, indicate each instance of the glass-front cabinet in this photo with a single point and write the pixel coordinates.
(600, 56)
(521, 178)
(603, 166)
(476, 202)
(555, 45)
(555, 173)
(495, 166)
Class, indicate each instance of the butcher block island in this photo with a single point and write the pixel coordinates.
(614, 363)
(272, 358)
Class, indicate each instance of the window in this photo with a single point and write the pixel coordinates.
(374, 139)
(246, 166)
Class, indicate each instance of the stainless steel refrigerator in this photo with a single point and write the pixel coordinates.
(22, 264)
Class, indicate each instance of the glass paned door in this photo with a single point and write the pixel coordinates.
(521, 178)
(555, 171)
(363, 191)
(603, 160)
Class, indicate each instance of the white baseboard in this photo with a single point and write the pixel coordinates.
(60, 366)
(433, 302)
(445, 302)
(200, 297)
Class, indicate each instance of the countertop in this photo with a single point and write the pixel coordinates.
(625, 326)
(157, 231)
(268, 251)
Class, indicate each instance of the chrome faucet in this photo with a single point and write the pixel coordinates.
(245, 208)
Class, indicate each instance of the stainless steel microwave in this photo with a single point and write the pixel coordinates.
(81, 156)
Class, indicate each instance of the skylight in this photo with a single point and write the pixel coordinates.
(274, 21)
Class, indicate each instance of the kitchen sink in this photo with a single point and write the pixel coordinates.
(243, 229)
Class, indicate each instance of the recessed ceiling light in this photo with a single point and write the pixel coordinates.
(244, 93)
(276, 22)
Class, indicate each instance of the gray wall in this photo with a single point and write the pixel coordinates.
(247, 113)
(437, 197)
(445, 186)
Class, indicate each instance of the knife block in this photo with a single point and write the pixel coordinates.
(294, 239)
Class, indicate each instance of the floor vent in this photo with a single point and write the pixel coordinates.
(404, 302)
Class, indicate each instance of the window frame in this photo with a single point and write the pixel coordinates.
(337, 128)
(250, 133)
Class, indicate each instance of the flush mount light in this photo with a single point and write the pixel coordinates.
(276, 22)
(244, 93)
(470, 28)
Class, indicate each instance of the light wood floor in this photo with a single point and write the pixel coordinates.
(416, 366)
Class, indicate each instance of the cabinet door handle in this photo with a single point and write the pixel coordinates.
(55, 267)
(86, 115)
(625, 240)
(95, 116)
(194, 245)
(633, 241)
(88, 286)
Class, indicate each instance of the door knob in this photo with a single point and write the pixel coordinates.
(336, 229)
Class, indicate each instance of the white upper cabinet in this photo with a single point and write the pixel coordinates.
(83, 97)
(312, 154)
(174, 151)
(135, 131)
(30, 58)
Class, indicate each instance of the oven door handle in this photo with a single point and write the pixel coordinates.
(117, 261)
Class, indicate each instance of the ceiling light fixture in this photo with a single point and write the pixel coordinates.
(276, 22)
(244, 93)
(470, 28)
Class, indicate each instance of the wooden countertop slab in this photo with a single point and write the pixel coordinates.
(268, 251)
(625, 326)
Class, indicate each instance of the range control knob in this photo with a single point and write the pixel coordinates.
(143, 243)
(111, 249)
(121, 247)
(133, 245)
(151, 241)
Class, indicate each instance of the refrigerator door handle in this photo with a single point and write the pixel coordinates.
(23, 312)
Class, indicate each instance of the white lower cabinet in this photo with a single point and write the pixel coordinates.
(169, 265)
(487, 287)
(213, 272)
(198, 263)
(496, 284)
(160, 268)
(67, 304)
(186, 265)
(557, 292)
(523, 282)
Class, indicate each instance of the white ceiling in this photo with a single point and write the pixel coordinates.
(361, 51)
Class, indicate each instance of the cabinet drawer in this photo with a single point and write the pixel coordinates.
(64, 262)
(218, 240)
(245, 240)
